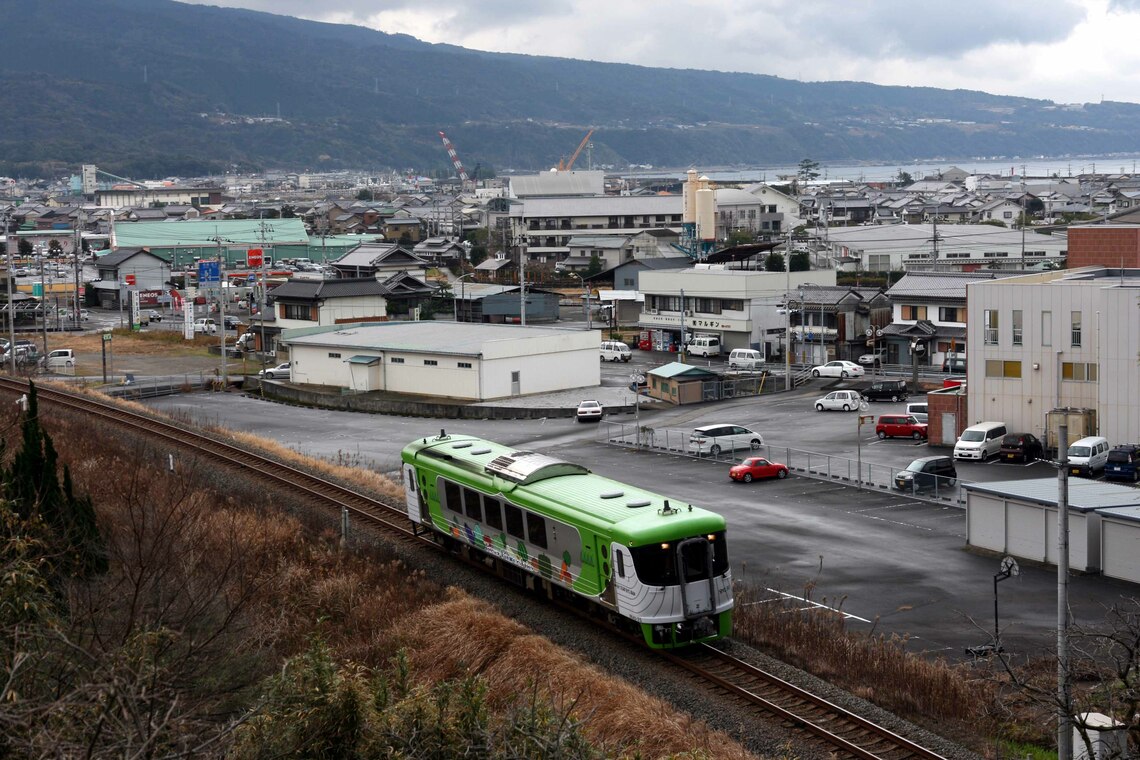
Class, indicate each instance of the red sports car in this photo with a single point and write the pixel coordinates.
(753, 468)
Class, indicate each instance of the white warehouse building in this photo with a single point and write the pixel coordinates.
(455, 360)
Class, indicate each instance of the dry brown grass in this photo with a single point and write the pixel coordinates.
(461, 636)
(953, 700)
(146, 343)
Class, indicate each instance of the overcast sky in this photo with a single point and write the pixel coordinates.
(1069, 51)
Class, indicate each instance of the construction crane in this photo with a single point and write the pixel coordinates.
(565, 167)
(454, 159)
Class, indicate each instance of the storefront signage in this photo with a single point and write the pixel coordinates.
(701, 323)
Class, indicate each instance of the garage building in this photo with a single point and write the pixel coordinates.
(456, 360)
(1019, 517)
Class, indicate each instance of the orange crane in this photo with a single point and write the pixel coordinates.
(565, 167)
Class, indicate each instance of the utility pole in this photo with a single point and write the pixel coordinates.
(683, 352)
(261, 297)
(788, 314)
(80, 224)
(222, 308)
(522, 275)
(1064, 693)
(8, 306)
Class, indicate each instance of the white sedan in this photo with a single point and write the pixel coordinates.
(280, 372)
(589, 411)
(837, 369)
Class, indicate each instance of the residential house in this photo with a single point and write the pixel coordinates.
(127, 270)
(930, 307)
(379, 260)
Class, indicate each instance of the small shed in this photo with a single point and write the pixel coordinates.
(1019, 517)
(1120, 543)
(680, 383)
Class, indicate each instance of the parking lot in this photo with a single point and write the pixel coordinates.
(887, 562)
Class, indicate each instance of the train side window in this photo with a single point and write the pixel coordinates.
(536, 528)
(451, 497)
(619, 563)
(471, 504)
(494, 512)
(514, 521)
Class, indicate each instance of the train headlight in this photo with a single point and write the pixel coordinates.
(664, 547)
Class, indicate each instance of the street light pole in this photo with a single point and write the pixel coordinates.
(462, 292)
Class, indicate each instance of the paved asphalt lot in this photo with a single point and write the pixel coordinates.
(893, 564)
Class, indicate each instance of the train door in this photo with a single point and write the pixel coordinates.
(415, 500)
(629, 593)
(695, 571)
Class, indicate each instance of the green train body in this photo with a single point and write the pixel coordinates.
(550, 524)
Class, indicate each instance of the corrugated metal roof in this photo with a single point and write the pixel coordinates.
(457, 338)
(559, 183)
(680, 369)
(206, 231)
(1084, 495)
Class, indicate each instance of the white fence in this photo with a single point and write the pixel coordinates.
(852, 472)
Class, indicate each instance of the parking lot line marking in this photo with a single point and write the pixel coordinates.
(816, 605)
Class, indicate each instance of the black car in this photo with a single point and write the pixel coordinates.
(887, 390)
(1020, 447)
(927, 472)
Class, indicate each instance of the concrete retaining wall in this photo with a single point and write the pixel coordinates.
(290, 394)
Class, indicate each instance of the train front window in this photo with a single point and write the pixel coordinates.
(451, 498)
(656, 564)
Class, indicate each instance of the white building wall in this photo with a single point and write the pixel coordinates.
(335, 309)
(1110, 340)
(412, 373)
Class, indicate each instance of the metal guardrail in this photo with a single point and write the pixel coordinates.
(813, 464)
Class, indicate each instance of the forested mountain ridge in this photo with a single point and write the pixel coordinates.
(154, 87)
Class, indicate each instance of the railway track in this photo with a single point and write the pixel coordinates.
(844, 733)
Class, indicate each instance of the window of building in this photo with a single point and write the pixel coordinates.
(951, 314)
(1079, 372)
(396, 360)
(297, 311)
(1046, 328)
(1007, 214)
(1075, 329)
(878, 262)
(1000, 368)
(732, 304)
(431, 362)
(464, 365)
(913, 312)
(1017, 327)
(990, 327)
(333, 355)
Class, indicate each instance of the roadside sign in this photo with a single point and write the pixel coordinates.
(209, 272)
(253, 257)
(130, 279)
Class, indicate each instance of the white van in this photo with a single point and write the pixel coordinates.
(205, 325)
(980, 441)
(745, 359)
(615, 350)
(1088, 456)
(704, 345)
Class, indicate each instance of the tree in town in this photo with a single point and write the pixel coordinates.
(54, 247)
(595, 265)
(807, 173)
(24, 247)
(800, 261)
(740, 237)
(774, 262)
(903, 178)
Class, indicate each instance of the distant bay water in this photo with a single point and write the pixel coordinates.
(1066, 166)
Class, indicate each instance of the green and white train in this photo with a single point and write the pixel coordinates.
(553, 526)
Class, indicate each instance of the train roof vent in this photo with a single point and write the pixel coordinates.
(637, 503)
(529, 467)
(483, 450)
(612, 494)
(461, 445)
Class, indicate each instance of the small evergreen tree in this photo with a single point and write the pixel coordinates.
(800, 261)
(33, 487)
(774, 262)
(595, 265)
